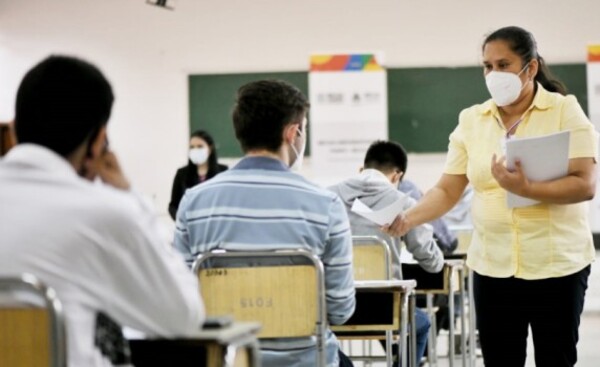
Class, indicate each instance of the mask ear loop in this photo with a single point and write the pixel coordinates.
(525, 68)
(300, 134)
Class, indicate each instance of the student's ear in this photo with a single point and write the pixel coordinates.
(360, 169)
(397, 177)
(289, 133)
(98, 146)
(12, 133)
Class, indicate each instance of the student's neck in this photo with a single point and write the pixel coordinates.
(266, 153)
(202, 169)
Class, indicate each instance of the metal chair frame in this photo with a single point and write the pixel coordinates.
(33, 293)
(321, 317)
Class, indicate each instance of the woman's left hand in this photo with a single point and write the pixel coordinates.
(513, 181)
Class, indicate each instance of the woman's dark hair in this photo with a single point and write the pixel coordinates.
(213, 167)
(61, 103)
(523, 44)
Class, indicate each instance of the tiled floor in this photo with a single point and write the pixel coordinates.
(589, 331)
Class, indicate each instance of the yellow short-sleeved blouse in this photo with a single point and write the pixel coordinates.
(535, 242)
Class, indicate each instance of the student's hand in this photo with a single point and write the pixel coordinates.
(110, 171)
(398, 227)
(513, 181)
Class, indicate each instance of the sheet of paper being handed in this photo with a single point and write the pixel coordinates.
(382, 217)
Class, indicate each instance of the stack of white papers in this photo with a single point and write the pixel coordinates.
(543, 158)
(382, 216)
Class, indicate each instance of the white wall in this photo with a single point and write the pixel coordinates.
(148, 52)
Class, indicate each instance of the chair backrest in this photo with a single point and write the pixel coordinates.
(435, 283)
(32, 331)
(283, 290)
(372, 259)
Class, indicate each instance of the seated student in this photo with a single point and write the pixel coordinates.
(202, 165)
(375, 185)
(94, 244)
(261, 205)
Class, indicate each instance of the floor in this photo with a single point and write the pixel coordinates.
(589, 331)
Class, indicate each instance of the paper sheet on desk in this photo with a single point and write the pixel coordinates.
(382, 216)
(543, 158)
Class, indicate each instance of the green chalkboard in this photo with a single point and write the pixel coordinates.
(423, 103)
(212, 98)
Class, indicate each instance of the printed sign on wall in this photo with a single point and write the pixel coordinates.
(593, 85)
(348, 96)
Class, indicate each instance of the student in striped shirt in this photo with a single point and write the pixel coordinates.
(260, 204)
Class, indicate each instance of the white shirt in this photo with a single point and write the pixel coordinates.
(99, 249)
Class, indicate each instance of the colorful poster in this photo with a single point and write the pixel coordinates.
(593, 85)
(348, 96)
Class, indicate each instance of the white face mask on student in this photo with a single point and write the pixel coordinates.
(504, 87)
(297, 165)
(198, 155)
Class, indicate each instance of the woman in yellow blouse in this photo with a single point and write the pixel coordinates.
(532, 263)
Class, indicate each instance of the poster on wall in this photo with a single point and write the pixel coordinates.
(348, 97)
(593, 85)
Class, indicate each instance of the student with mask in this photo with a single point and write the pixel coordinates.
(384, 165)
(261, 205)
(202, 165)
(531, 263)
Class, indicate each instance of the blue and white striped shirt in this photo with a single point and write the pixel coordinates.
(261, 205)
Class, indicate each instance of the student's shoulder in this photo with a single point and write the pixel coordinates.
(328, 193)
(117, 206)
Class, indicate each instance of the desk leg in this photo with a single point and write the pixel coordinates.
(389, 358)
(413, 330)
(472, 331)
(245, 352)
(451, 331)
(432, 337)
(402, 347)
(463, 314)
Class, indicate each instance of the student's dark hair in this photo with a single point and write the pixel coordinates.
(263, 109)
(213, 166)
(61, 104)
(386, 156)
(523, 44)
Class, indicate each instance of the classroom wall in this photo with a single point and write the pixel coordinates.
(148, 52)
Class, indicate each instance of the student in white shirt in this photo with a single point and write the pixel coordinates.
(96, 245)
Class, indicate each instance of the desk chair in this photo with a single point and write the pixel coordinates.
(32, 327)
(372, 261)
(449, 281)
(284, 290)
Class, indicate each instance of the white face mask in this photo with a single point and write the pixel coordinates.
(198, 155)
(504, 87)
(297, 165)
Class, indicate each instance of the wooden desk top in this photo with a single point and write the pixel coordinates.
(403, 285)
(225, 335)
